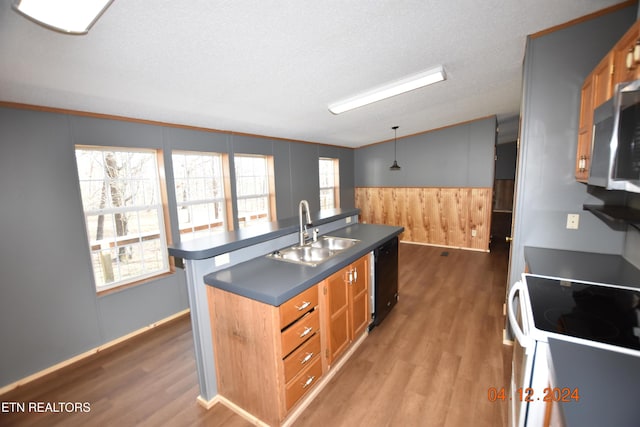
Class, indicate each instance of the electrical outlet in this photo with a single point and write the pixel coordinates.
(348, 220)
(221, 260)
(572, 221)
(474, 233)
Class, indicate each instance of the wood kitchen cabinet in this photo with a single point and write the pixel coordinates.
(598, 87)
(267, 357)
(347, 313)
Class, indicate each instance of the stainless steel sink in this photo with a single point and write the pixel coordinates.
(314, 253)
(334, 243)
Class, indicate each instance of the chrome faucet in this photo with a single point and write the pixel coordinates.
(304, 234)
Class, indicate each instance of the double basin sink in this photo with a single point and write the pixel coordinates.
(314, 253)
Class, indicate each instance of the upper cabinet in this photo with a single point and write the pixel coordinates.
(627, 56)
(584, 130)
(621, 64)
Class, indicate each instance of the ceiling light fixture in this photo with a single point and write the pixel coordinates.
(406, 84)
(395, 166)
(67, 16)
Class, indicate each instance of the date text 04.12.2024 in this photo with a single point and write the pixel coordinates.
(549, 394)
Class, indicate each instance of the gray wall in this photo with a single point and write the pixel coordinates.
(49, 310)
(554, 69)
(506, 157)
(457, 156)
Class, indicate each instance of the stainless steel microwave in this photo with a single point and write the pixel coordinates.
(615, 153)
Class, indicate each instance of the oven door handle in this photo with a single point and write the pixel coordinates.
(524, 340)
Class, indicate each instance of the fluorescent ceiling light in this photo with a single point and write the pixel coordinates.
(406, 84)
(68, 16)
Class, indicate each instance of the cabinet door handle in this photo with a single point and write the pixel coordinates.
(306, 331)
(355, 274)
(308, 357)
(308, 382)
(304, 305)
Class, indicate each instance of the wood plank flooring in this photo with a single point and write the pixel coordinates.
(430, 363)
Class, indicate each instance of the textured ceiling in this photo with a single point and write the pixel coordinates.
(271, 67)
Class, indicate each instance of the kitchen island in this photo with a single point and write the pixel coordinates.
(239, 273)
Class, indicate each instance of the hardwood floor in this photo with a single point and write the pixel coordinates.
(430, 363)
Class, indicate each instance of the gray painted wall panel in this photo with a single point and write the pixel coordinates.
(48, 303)
(136, 307)
(94, 131)
(283, 178)
(196, 140)
(305, 182)
(245, 144)
(458, 156)
(481, 153)
(555, 67)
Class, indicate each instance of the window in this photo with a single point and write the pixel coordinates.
(254, 189)
(199, 183)
(123, 213)
(329, 183)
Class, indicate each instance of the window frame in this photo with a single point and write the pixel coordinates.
(269, 196)
(160, 206)
(227, 216)
(336, 181)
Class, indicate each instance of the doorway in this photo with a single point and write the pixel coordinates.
(503, 190)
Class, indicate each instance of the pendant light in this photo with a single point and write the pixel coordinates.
(395, 166)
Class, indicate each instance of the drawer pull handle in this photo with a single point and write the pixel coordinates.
(306, 331)
(306, 358)
(308, 382)
(304, 305)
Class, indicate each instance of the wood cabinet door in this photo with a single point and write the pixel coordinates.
(625, 70)
(359, 297)
(337, 314)
(603, 81)
(583, 153)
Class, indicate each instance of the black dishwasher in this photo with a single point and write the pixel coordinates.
(386, 279)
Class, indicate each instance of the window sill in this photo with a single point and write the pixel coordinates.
(125, 286)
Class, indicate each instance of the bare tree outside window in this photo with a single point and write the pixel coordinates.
(329, 183)
(200, 198)
(123, 214)
(252, 189)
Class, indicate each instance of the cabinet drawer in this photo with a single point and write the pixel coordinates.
(302, 383)
(298, 305)
(300, 331)
(302, 357)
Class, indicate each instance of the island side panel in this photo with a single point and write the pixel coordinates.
(246, 336)
(203, 344)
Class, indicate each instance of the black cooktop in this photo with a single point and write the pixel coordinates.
(594, 312)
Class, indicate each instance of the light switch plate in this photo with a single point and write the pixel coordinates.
(573, 221)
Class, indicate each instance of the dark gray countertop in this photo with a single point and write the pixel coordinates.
(217, 244)
(576, 265)
(274, 282)
(607, 382)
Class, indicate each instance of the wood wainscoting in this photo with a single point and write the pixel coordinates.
(453, 217)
